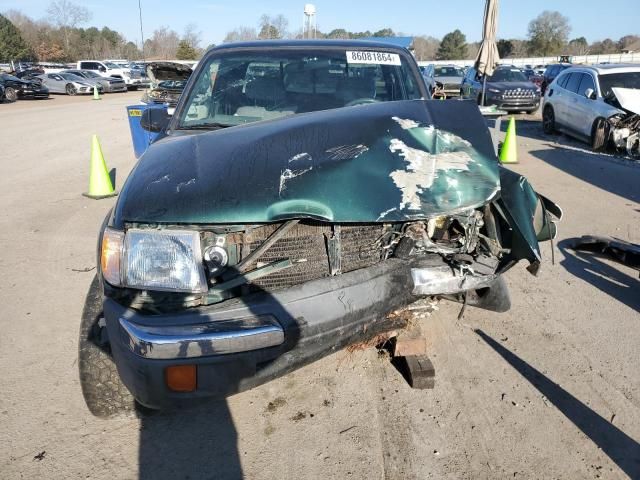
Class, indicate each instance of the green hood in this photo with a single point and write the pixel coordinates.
(385, 162)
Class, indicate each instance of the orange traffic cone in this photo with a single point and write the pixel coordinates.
(100, 185)
(509, 150)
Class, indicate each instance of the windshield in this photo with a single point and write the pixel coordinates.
(243, 86)
(111, 65)
(508, 75)
(89, 74)
(71, 76)
(623, 80)
(448, 72)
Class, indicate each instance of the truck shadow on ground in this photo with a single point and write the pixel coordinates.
(591, 268)
(623, 450)
(198, 439)
(198, 443)
(613, 177)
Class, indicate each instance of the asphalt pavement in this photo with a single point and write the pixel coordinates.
(550, 389)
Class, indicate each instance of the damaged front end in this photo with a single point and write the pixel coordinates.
(306, 232)
(168, 80)
(623, 129)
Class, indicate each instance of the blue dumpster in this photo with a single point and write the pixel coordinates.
(141, 138)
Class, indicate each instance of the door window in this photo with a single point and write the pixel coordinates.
(562, 81)
(586, 83)
(574, 82)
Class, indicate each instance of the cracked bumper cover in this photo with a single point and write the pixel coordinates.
(240, 344)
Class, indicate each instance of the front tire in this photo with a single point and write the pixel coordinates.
(70, 89)
(10, 94)
(599, 134)
(103, 391)
(548, 120)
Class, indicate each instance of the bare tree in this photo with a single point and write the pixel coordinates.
(578, 46)
(281, 23)
(192, 36)
(520, 48)
(67, 15)
(241, 34)
(272, 27)
(548, 33)
(163, 44)
(425, 48)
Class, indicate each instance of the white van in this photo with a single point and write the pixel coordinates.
(132, 78)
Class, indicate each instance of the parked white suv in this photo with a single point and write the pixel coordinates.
(599, 104)
(132, 78)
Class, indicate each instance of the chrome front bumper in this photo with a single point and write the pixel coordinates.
(199, 336)
(202, 339)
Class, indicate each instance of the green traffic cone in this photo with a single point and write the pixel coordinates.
(96, 96)
(509, 150)
(100, 185)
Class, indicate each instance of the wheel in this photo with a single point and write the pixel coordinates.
(70, 89)
(133, 88)
(10, 94)
(599, 134)
(548, 120)
(103, 391)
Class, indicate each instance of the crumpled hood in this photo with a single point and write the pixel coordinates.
(628, 98)
(163, 71)
(391, 161)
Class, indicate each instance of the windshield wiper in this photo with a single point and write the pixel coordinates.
(204, 126)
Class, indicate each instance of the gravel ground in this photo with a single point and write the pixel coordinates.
(550, 389)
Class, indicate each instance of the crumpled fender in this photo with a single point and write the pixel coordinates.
(530, 216)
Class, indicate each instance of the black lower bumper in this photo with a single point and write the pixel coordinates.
(317, 318)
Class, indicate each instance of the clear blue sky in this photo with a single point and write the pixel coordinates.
(414, 17)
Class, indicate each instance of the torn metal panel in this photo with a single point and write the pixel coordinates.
(620, 250)
(391, 161)
(525, 211)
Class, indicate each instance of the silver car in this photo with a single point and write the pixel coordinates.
(599, 104)
(109, 84)
(443, 81)
(69, 83)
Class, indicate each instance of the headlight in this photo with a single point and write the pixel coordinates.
(493, 90)
(126, 74)
(154, 259)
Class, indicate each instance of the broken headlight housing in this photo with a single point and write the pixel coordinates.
(167, 260)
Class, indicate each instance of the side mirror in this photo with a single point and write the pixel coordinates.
(102, 69)
(155, 119)
(590, 94)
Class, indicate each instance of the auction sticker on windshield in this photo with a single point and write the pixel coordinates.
(374, 58)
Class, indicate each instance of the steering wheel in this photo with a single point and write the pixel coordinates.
(361, 101)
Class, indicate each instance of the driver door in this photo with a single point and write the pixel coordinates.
(585, 108)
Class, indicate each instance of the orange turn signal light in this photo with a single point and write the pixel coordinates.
(181, 378)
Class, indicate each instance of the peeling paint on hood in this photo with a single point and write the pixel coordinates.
(390, 161)
(422, 170)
